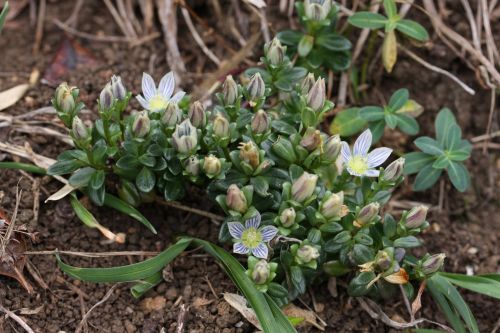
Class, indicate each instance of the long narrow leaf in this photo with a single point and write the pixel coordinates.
(486, 285)
(3, 14)
(144, 285)
(23, 166)
(121, 206)
(445, 307)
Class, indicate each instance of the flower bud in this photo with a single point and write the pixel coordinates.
(250, 153)
(275, 52)
(141, 125)
(80, 131)
(172, 115)
(332, 148)
(221, 126)
(192, 166)
(261, 272)
(307, 83)
(287, 217)
(367, 213)
(383, 260)
(64, 97)
(317, 9)
(197, 114)
(117, 88)
(185, 137)
(236, 200)
(256, 88)
(260, 122)
(433, 263)
(399, 254)
(304, 187)
(307, 253)
(332, 207)
(394, 170)
(106, 97)
(230, 90)
(416, 217)
(212, 165)
(311, 139)
(317, 95)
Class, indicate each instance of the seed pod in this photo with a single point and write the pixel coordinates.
(394, 170)
(80, 131)
(230, 90)
(332, 148)
(275, 52)
(117, 88)
(221, 126)
(192, 166)
(332, 207)
(261, 272)
(141, 125)
(260, 122)
(287, 217)
(185, 137)
(416, 217)
(172, 115)
(250, 153)
(304, 187)
(236, 200)
(197, 114)
(256, 88)
(389, 50)
(212, 165)
(433, 263)
(106, 97)
(317, 95)
(307, 253)
(367, 213)
(311, 139)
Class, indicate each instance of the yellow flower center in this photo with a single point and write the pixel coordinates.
(158, 102)
(358, 164)
(251, 238)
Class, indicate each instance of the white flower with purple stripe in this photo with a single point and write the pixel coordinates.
(157, 99)
(360, 162)
(250, 238)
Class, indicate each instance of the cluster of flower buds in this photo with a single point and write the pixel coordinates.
(261, 272)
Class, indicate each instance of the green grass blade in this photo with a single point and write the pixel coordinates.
(479, 284)
(23, 166)
(3, 14)
(445, 307)
(123, 207)
(141, 287)
(83, 214)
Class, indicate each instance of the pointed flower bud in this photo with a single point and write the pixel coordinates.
(106, 97)
(185, 137)
(307, 83)
(212, 166)
(261, 272)
(317, 9)
(141, 125)
(311, 139)
(416, 217)
(117, 88)
(275, 52)
(287, 217)
(256, 88)
(250, 153)
(332, 148)
(367, 214)
(394, 170)
(80, 131)
(307, 253)
(172, 115)
(433, 263)
(304, 187)
(332, 207)
(383, 260)
(192, 166)
(230, 90)
(64, 97)
(317, 95)
(399, 254)
(197, 114)
(221, 126)
(236, 200)
(260, 122)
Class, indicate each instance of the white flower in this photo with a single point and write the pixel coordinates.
(157, 99)
(251, 238)
(360, 163)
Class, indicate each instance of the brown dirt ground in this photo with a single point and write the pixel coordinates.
(467, 229)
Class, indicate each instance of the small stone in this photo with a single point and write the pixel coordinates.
(171, 294)
(153, 303)
(129, 327)
(472, 250)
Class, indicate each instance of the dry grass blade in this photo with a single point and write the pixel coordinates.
(11, 96)
(17, 319)
(87, 315)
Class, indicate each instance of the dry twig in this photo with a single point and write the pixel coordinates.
(17, 319)
(103, 300)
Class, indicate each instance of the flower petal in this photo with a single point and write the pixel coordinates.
(378, 156)
(363, 143)
(240, 248)
(235, 229)
(143, 102)
(253, 222)
(345, 152)
(372, 173)
(148, 86)
(177, 97)
(268, 232)
(260, 251)
(167, 84)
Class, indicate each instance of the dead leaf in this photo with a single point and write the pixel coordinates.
(26, 311)
(417, 303)
(291, 310)
(201, 302)
(240, 304)
(61, 193)
(11, 96)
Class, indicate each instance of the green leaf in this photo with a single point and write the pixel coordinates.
(453, 138)
(125, 208)
(390, 8)
(441, 163)
(415, 161)
(444, 120)
(427, 177)
(367, 20)
(358, 285)
(483, 284)
(408, 124)
(283, 127)
(391, 120)
(3, 14)
(64, 167)
(97, 179)
(290, 37)
(347, 122)
(333, 42)
(23, 166)
(83, 214)
(399, 99)
(377, 129)
(81, 177)
(260, 185)
(97, 195)
(141, 287)
(297, 278)
(429, 145)
(412, 29)
(127, 162)
(305, 45)
(459, 155)
(145, 180)
(371, 113)
(407, 242)
(459, 176)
